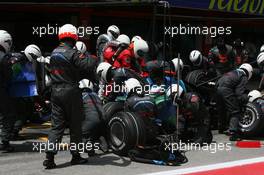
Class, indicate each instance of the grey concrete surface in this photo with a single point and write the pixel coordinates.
(27, 162)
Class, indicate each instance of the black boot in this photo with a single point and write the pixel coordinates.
(199, 141)
(227, 132)
(222, 129)
(234, 136)
(49, 161)
(15, 135)
(5, 146)
(91, 153)
(77, 159)
(103, 145)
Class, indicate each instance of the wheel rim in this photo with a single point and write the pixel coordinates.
(117, 131)
(248, 118)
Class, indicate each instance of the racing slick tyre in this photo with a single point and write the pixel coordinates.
(111, 108)
(209, 137)
(126, 130)
(251, 123)
(195, 77)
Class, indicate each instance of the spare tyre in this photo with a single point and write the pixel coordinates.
(126, 130)
(251, 124)
(193, 81)
(111, 108)
(195, 77)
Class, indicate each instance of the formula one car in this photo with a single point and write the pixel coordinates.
(252, 122)
(148, 121)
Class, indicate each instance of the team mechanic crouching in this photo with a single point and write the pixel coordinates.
(232, 95)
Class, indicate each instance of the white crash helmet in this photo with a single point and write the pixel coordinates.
(68, 31)
(103, 69)
(135, 38)
(32, 52)
(131, 83)
(80, 46)
(196, 57)
(85, 83)
(173, 89)
(5, 40)
(175, 63)
(113, 31)
(253, 95)
(247, 67)
(140, 48)
(261, 48)
(123, 39)
(44, 59)
(260, 59)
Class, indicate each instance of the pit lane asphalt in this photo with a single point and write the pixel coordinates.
(27, 162)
